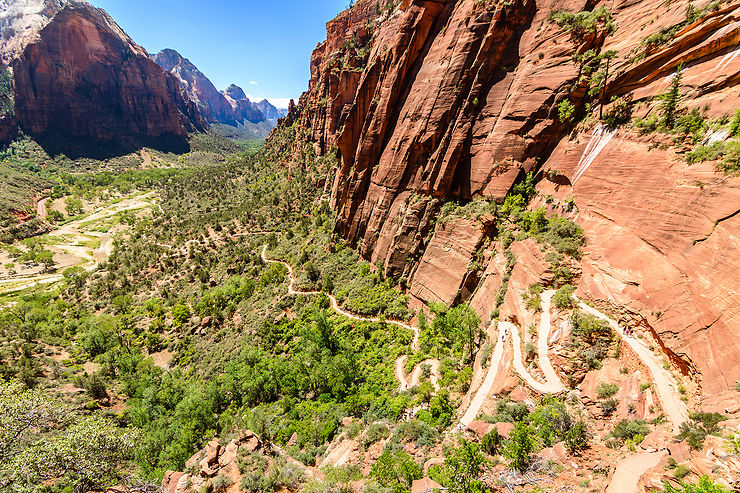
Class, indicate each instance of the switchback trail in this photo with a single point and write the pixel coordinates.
(400, 362)
(552, 384)
(673, 407)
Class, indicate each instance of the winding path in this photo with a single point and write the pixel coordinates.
(400, 363)
(667, 391)
(552, 384)
(673, 407)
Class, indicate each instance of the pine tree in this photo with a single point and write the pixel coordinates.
(671, 99)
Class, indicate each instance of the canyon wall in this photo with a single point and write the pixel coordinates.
(78, 74)
(232, 107)
(435, 100)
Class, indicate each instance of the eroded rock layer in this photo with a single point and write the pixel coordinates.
(432, 100)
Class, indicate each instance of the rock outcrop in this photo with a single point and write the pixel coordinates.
(220, 465)
(433, 100)
(77, 74)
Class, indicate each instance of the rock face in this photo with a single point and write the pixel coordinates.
(78, 74)
(212, 105)
(271, 113)
(433, 100)
(232, 107)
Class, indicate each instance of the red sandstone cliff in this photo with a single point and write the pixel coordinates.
(77, 73)
(436, 99)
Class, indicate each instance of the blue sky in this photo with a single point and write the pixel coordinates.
(263, 46)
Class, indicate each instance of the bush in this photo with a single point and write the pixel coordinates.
(491, 442)
(708, 420)
(462, 467)
(694, 434)
(563, 297)
(608, 407)
(634, 430)
(374, 433)
(604, 390)
(681, 471)
(509, 412)
(576, 439)
(735, 124)
(579, 24)
(705, 485)
(566, 111)
(392, 469)
(519, 447)
(221, 483)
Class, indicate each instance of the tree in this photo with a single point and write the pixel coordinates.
(608, 56)
(84, 457)
(577, 438)
(671, 98)
(462, 467)
(491, 442)
(566, 111)
(395, 468)
(23, 411)
(73, 206)
(46, 258)
(519, 447)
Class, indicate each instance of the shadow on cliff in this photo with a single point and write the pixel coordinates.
(56, 143)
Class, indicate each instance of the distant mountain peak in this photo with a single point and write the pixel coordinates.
(230, 107)
(235, 92)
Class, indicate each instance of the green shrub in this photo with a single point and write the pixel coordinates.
(509, 412)
(563, 297)
(705, 485)
(681, 471)
(608, 406)
(604, 390)
(735, 124)
(580, 24)
(708, 420)
(519, 447)
(566, 111)
(491, 442)
(392, 469)
(221, 483)
(374, 433)
(576, 439)
(628, 429)
(671, 99)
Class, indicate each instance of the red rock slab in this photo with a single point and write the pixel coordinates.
(446, 261)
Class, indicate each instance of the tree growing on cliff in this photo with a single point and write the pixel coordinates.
(671, 99)
(462, 468)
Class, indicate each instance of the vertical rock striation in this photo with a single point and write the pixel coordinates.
(436, 100)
